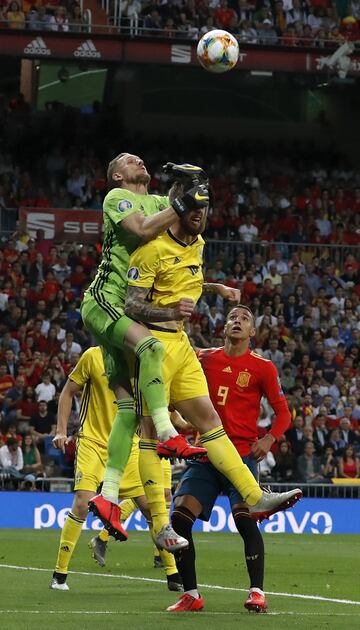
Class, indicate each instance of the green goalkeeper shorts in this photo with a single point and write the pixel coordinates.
(103, 315)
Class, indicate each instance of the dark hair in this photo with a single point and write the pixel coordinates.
(246, 308)
(11, 441)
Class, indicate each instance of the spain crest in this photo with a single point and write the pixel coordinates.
(243, 379)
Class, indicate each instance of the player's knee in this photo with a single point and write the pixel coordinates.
(182, 521)
(80, 504)
(154, 350)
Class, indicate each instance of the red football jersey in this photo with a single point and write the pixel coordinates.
(236, 386)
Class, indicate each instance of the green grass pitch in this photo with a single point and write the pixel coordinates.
(118, 596)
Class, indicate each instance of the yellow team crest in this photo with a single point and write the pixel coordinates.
(243, 379)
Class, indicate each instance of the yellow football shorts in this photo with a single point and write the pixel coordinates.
(182, 372)
(90, 465)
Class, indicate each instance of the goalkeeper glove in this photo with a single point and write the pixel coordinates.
(186, 172)
(196, 197)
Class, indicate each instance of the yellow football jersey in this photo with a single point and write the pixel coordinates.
(169, 268)
(98, 404)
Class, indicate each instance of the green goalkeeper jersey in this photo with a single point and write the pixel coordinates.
(119, 244)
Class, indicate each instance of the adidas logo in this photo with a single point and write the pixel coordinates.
(150, 482)
(37, 47)
(88, 50)
(65, 548)
(155, 381)
(177, 260)
(227, 369)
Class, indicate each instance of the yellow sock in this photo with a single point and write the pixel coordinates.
(69, 537)
(152, 479)
(224, 456)
(127, 507)
(168, 559)
(104, 535)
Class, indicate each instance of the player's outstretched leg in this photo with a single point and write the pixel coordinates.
(224, 456)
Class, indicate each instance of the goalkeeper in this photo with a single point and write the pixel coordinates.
(132, 216)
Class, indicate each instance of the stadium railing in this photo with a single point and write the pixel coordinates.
(329, 490)
(229, 250)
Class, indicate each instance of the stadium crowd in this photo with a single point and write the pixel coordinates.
(282, 228)
(289, 22)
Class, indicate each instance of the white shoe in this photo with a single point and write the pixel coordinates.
(168, 539)
(272, 502)
(58, 586)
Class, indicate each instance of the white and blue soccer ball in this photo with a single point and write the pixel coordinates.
(218, 51)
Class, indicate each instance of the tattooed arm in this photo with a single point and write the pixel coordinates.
(137, 307)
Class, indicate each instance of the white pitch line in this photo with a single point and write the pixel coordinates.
(319, 598)
(164, 612)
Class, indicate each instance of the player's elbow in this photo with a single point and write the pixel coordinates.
(148, 233)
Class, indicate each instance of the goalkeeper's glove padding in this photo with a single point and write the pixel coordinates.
(195, 198)
(179, 172)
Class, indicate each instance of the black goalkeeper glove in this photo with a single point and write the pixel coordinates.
(196, 197)
(186, 173)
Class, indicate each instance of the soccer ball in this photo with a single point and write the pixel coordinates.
(218, 51)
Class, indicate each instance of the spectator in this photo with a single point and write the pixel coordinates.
(31, 456)
(46, 390)
(77, 22)
(348, 464)
(69, 345)
(295, 435)
(42, 423)
(26, 408)
(11, 459)
(285, 466)
(274, 354)
(308, 464)
(15, 17)
(266, 467)
(329, 464)
(12, 396)
(59, 21)
(248, 232)
(320, 433)
(346, 433)
(6, 382)
(336, 442)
